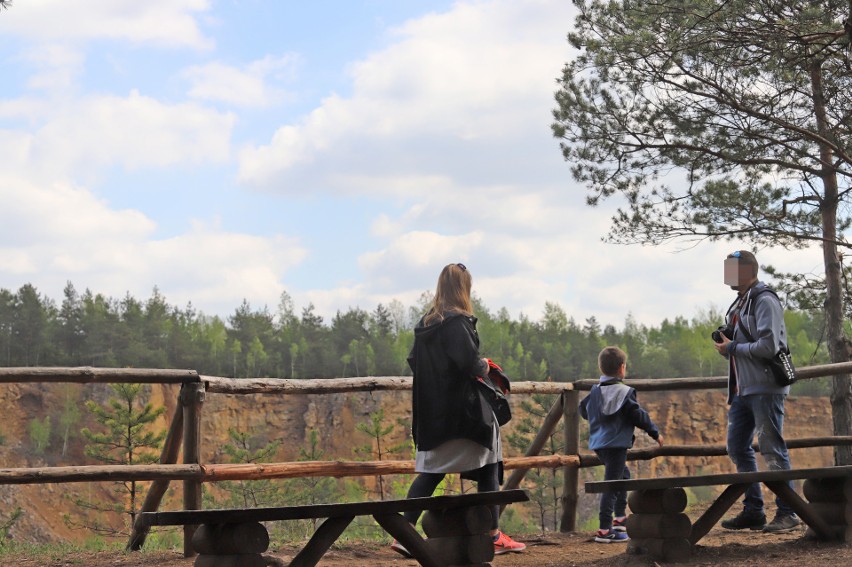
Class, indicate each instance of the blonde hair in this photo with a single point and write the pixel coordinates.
(452, 294)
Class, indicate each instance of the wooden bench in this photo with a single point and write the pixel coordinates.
(658, 526)
(457, 527)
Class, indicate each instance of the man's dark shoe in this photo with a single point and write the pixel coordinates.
(745, 521)
(783, 523)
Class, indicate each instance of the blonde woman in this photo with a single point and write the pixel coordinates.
(454, 430)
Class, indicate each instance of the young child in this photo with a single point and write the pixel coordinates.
(613, 412)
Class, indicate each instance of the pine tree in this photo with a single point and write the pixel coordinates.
(247, 447)
(126, 439)
(379, 431)
(7, 524)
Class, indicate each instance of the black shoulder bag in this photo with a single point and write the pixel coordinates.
(494, 388)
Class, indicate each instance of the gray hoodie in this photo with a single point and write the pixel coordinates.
(761, 313)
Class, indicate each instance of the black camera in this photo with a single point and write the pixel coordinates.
(723, 330)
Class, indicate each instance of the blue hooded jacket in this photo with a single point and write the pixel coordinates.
(613, 412)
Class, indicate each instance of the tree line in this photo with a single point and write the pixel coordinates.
(91, 329)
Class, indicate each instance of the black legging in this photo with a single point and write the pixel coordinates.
(426, 483)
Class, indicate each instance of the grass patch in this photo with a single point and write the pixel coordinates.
(159, 540)
(58, 550)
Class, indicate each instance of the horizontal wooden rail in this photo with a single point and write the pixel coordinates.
(219, 385)
(250, 471)
(646, 454)
(90, 374)
(822, 370)
(339, 469)
(714, 382)
(96, 473)
(661, 384)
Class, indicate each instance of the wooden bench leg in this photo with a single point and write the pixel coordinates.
(714, 513)
(230, 545)
(235, 560)
(460, 536)
(831, 500)
(229, 539)
(401, 530)
(325, 536)
(658, 526)
(789, 496)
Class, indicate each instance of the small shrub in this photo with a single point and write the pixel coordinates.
(40, 435)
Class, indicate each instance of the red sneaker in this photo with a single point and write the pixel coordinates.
(618, 523)
(505, 544)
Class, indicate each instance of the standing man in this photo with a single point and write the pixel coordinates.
(754, 331)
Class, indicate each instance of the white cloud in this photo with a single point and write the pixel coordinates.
(251, 87)
(56, 66)
(134, 132)
(36, 214)
(44, 225)
(525, 294)
(415, 256)
(168, 23)
(216, 269)
(63, 233)
(441, 101)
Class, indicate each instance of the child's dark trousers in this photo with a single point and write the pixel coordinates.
(615, 468)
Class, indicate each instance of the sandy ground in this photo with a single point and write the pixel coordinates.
(719, 547)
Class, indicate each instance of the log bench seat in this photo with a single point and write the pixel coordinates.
(658, 526)
(457, 527)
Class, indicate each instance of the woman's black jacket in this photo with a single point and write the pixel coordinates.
(446, 401)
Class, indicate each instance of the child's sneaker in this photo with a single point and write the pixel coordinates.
(619, 523)
(505, 544)
(611, 536)
(398, 547)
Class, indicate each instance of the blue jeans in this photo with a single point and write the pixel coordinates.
(761, 414)
(615, 468)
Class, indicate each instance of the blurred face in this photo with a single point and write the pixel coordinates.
(738, 274)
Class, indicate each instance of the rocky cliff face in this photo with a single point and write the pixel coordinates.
(685, 418)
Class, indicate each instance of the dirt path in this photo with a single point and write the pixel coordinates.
(719, 548)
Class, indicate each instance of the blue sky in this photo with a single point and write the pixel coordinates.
(342, 151)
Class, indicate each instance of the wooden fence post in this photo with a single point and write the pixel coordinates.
(191, 398)
(168, 456)
(571, 478)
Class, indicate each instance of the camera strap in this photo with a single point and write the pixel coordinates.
(744, 330)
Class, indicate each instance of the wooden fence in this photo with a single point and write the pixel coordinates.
(184, 435)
